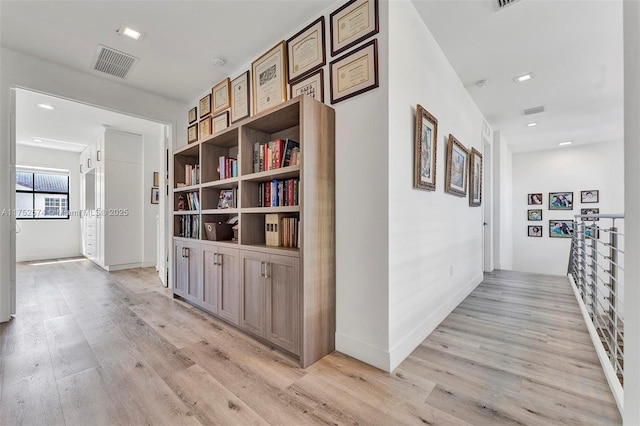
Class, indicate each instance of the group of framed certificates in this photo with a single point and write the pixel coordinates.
(298, 62)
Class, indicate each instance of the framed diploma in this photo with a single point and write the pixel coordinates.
(205, 106)
(221, 96)
(193, 114)
(354, 73)
(192, 133)
(352, 23)
(240, 97)
(204, 127)
(312, 85)
(220, 122)
(306, 50)
(268, 73)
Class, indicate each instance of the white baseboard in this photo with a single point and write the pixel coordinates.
(149, 263)
(46, 256)
(364, 352)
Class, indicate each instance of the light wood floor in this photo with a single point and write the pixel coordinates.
(93, 348)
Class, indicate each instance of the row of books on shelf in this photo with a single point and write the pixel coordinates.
(282, 231)
(190, 201)
(278, 193)
(189, 226)
(228, 199)
(275, 154)
(227, 167)
(191, 175)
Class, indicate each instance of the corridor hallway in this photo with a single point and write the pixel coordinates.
(90, 347)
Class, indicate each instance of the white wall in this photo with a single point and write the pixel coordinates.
(58, 238)
(152, 162)
(435, 238)
(502, 202)
(571, 169)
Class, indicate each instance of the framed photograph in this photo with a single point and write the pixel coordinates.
(156, 179)
(590, 211)
(561, 201)
(425, 150)
(534, 215)
(155, 195)
(193, 114)
(591, 196)
(221, 96)
(220, 122)
(306, 50)
(192, 133)
(204, 127)
(455, 179)
(560, 228)
(311, 85)
(354, 73)
(534, 231)
(475, 178)
(205, 106)
(240, 97)
(268, 73)
(352, 23)
(534, 199)
(592, 231)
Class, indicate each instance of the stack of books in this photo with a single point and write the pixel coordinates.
(189, 226)
(275, 154)
(192, 174)
(278, 193)
(282, 231)
(227, 167)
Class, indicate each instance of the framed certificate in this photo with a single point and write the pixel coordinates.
(240, 97)
(192, 133)
(306, 50)
(221, 96)
(312, 85)
(193, 114)
(268, 73)
(205, 106)
(352, 23)
(220, 122)
(204, 127)
(354, 73)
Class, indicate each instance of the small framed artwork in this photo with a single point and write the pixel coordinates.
(475, 178)
(455, 179)
(354, 73)
(534, 231)
(561, 201)
(306, 50)
(155, 195)
(192, 133)
(156, 179)
(534, 215)
(590, 211)
(425, 150)
(311, 85)
(534, 199)
(221, 96)
(355, 21)
(204, 127)
(560, 228)
(220, 122)
(592, 232)
(240, 97)
(193, 114)
(269, 74)
(591, 196)
(205, 106)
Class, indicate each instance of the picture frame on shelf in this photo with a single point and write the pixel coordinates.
(306, 51)
(590, 196)
(269, 76)
(355, 21)
(590, 210)
(425, 150)
(534, 231)
(560, 228)
(192, 133)
(155, 195)
(156, 179)
(204, 127)
(535, 199)
(221, 96)
(455, 182)
(561, 201)
(311, 85)
(240, 97)
(205, 106)
(193, 114)
(475, 178)
(220, 122)
(354, 73)
(534, 215)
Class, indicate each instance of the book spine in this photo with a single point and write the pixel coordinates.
(256, 157)
(267, 194)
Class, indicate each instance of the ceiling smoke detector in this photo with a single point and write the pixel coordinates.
(217, 62)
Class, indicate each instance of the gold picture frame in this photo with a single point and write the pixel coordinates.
(355, 21)
(204, 127)
(475, 178)
(240, 97)
(306, 50)
(268, 74)
(205, 106)
(354, 73)
(426, 150)
(455, 181)
(221, 96)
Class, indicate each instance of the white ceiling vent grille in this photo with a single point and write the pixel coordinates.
(113, 62)
(501, 4)
(534, 110)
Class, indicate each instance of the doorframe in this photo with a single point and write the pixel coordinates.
(487, 206)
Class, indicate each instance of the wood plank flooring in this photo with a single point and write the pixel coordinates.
(90, 347)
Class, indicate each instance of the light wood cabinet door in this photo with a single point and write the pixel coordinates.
(283, 302)
(181, 270)
(228, 285)
(194, 261)
(210, 279)
(252, 312)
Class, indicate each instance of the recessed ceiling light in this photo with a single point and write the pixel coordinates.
(129, 32)
(565, 143)
(532, 124)
(523, 77)
(46, 106)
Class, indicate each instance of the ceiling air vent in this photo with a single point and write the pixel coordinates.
(534, 110)
(113, 62)
(501, 4)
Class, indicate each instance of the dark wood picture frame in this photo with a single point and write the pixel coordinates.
(561, 200)
(205, 106)
(222, 117)
(587, 197)
(561, 231)
(240, 97)
(304, 40)
(221, 96)
(310, 85)
(534, 215)
(370, 50)
(343, 11)
(192, 133)
(455, 181)
(192, 116)
(155, 195)
(534, 231)
(425, 152)
(475, 178)
(590, 210)
(535, 199)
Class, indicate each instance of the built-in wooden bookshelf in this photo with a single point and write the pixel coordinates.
(284, 296)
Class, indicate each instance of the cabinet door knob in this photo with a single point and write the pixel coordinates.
(215, 259)
(219, 259)
(266, 269)
(262, 269)
(186, 250)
